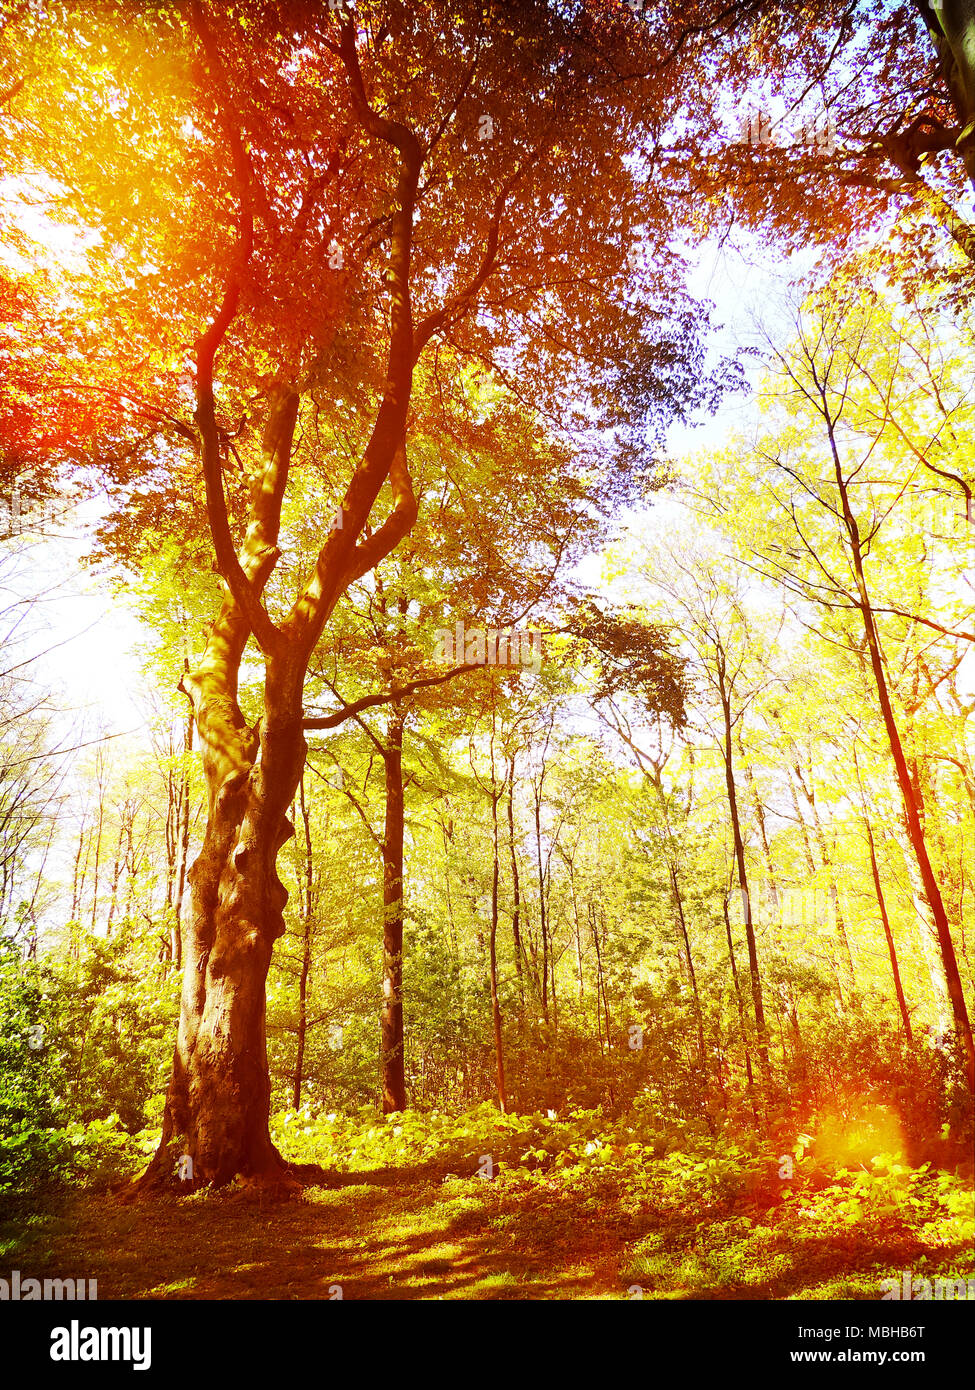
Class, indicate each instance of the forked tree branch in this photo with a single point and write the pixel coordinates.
(228, 563)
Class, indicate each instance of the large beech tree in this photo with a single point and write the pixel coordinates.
(286, 207)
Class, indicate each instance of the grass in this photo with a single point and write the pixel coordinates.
(708, 1223)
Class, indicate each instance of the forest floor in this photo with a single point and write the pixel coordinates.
(419, 1232)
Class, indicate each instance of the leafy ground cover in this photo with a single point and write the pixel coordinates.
(485, 1206)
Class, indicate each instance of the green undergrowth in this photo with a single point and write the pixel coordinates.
(547, 1205)
(828, 1212)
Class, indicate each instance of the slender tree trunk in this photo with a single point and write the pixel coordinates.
(80, 871)
(600, 977)
(493, 949)
(132, 866)
(792, 1013)
(515, 883)
(881, 899)
(762, 828)
(392, 1060)
(888, 935)
(743, 1027)
(824, 854)
(553, 962)
(447, 893)
(932, 891)
(543, 925)
(98, 844)
(184, 843)
(307, 913)
(172, 832)
(116, 875)
(761, 1029)
(42, 866)
(924, 925)
(679, 903)
(578, 934)
(811, 867)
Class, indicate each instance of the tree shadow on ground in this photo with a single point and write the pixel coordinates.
(420, 1232)
(387, 1235)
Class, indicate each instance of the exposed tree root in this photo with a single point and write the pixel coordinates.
(280, 1181)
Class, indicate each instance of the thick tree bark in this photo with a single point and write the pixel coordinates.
(218, 1105)
(952, 27)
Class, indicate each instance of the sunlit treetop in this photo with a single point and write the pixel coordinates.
(191, 143)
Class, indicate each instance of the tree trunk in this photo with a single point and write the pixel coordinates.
(541, 899)
(761, 1029)
(600, 977)
(952, 27)
(679, 903)
(184, 843)
(218, 1103)
(824, 854)
(749, 1075)
(78, 877)
(912, 816)
(515, 883)
(392, 1063)
(98, 849)
(888, 935)
(493, 949)
(811, 867)
(116, 875)
(759, 810)
(307, 908)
